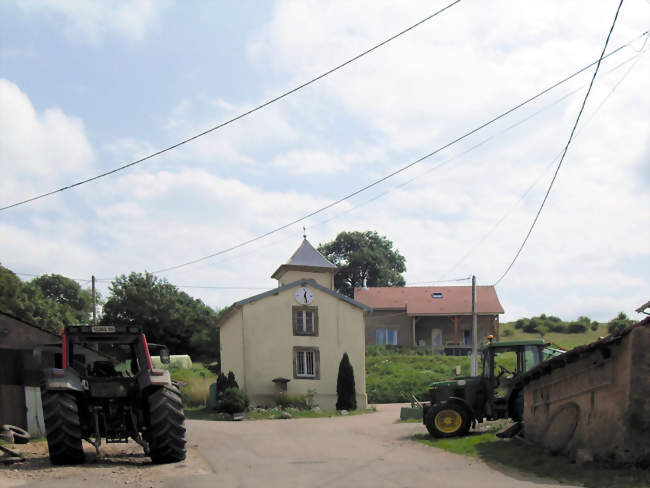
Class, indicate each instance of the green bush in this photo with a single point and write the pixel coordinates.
(233, 400)
(576, 328)
(507, 332)
(292, 401)
(222, 383)
(345, 390)
(231, 380)
(594, 325)
(557, 327)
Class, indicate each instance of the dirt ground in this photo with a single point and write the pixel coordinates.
(123, 464)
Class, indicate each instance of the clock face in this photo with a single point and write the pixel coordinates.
(304, 295)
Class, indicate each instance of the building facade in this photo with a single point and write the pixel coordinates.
(439, 318)
(298, 332)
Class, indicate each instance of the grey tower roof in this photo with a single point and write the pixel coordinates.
(306, 258)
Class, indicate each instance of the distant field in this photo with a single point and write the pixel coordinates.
(566, 341)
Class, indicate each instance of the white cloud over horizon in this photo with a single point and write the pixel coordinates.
(588, 254)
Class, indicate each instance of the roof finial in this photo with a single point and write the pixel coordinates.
(304, 232)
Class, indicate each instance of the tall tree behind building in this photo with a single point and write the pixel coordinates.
(364, 256)
(168, 316)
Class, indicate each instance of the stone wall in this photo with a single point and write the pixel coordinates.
(593, 403)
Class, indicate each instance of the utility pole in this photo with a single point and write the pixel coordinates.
(474, 367)
(94, 302)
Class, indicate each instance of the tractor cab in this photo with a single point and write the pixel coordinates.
(458, 403)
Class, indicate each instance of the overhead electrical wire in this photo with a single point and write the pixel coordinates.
(635, 59)
(240, 116)
(400, 170)
(566, 148)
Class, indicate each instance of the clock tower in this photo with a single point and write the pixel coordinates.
(306, 263)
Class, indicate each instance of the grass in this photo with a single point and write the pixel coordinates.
(517, 458)
(195, 384)
(390, 378)
(566, 341)
(209, 414)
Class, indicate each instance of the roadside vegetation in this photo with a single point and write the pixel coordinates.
(566, 334)
(194, 384)
(531, 460)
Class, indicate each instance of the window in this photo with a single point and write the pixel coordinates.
(305, 321)
(306, 363)
(436, 294)
(386, 336)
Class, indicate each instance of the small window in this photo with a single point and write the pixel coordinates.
(386, 336)
(305, 321)
(306, 363)
(436, 294)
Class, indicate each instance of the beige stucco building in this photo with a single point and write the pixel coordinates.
(298, 331)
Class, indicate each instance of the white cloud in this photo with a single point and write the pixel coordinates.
(93, 20)
(37, 150)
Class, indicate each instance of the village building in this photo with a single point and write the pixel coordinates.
(439, 318)
(20, 373)
(298, 332)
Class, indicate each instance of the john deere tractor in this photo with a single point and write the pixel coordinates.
(108, 388)
(455, 405)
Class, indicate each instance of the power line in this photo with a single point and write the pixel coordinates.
(240, 116)
(634, 60)
(400, 170)
(566, 148)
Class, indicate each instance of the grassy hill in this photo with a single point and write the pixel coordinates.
(567, 341)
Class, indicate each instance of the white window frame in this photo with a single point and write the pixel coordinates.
(386, 335)
(306, 363)
(299, 321)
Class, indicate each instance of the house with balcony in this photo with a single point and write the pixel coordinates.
(438, 318)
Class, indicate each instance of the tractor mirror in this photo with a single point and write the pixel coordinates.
(164, 355)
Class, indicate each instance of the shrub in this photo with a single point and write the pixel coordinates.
(576, 328)
(532, 326)
(594, 325)
(619, 323)
(557, 327)
(222, 383)
(507, 332)
(521, 323)
(345, 389)
(292, 401)
(233, 400)
(231, 380)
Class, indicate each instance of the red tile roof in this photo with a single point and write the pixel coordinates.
(418, 300)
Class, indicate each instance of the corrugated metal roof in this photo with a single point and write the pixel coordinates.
(419, 300)
(306, 257)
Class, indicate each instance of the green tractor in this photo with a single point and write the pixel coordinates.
(456, 405)
(108, 388)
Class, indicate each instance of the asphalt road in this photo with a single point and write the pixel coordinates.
(355, 451)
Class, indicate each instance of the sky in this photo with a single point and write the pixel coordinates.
(86, 87)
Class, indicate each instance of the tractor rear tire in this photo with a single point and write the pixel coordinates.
(447, 420)
(166, 426)
(63, 427)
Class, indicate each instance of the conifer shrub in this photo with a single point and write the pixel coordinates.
(222, 383)
(231, 380)
(233, 400)
(345, 389)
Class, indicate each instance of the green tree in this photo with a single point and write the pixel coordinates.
(167, 315)
(49, 301)
(345, 389)
(618, 323)
(364, 256)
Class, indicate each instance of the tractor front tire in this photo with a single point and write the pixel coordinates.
(447, 420)
(166, 426)
(63, 427)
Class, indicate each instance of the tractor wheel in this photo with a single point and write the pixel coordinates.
(61, 414)
(166, 426)
(447, 420)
